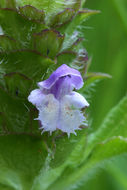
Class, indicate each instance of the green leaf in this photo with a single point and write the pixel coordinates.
(115, 124)
(101, 146)
(67, 151)
(66, 146)
(21, 158)
(100, 153)
(109, 148)
(118, 171)
(32, 13)
(48, 42)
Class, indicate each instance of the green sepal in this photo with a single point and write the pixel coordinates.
(76, 44)
(7, 44)
(65, 15)
(85, 13)
(76, 6)
(32, 13)
(48, 42)
(66, 57)
(18, 27)
(62, 17)
(75, 29)
(57, 6)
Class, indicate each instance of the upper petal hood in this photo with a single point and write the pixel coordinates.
(62, 71)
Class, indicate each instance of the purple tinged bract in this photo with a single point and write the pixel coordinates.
(58, 105)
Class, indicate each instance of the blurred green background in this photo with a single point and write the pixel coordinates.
(106, 42)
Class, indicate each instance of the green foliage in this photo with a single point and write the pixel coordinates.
(38, 36)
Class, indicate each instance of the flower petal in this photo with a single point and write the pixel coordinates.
(76, 100)
(70, 119)
(48, 113)
(36, 97)
(63, 71)
(62, 87)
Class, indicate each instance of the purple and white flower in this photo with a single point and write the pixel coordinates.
(58, 105)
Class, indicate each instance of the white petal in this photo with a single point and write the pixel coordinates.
(70, 119)
(77, 100)
(48, 113)
(36, 97)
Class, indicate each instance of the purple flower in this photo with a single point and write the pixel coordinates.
(58, 105)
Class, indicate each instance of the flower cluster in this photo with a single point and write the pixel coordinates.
(58, 105)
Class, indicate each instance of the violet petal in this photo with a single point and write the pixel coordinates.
(48, 113)
(36, 97)
(76, 100)
(62, 71)
(70, 119)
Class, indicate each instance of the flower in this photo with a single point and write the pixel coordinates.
(58, 105)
